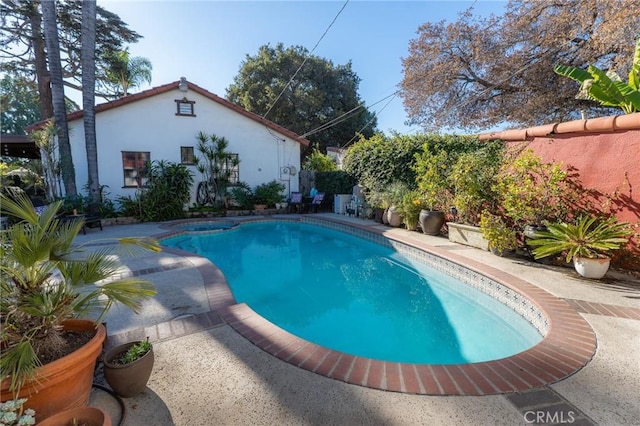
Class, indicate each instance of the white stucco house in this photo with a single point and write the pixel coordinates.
(162, 123)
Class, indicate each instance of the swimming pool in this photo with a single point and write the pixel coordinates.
(364, 298)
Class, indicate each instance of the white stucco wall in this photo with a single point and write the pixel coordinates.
(151, 125)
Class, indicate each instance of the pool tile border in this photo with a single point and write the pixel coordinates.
(568, 345)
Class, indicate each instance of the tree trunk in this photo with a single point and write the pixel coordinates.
(57, 95)
(88, 97)
(40, 59)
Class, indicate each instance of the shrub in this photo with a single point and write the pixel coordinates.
(319, 162)
(378, 161)
(473, 178)
(531, 191)
(269, 193)
(167, 191)
(241, 196)
(335, 182)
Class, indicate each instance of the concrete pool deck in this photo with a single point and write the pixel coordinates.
(207, 373)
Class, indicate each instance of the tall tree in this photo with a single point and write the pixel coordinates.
(22, 48)
(319, 93)
(19, 106)
(124, 71)
(57, 93)
(480, 72)
(88, 96)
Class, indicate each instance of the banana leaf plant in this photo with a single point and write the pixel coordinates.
(45, 280)
(588, 237)
(607, 87)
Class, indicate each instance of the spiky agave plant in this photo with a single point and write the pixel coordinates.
(45, 281)
(588, 237)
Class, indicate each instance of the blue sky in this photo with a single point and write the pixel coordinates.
(206, 41)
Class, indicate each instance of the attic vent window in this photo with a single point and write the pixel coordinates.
(185, 107)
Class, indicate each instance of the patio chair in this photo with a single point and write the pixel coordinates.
(317, 200)
(295, 202)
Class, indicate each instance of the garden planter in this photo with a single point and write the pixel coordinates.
(393, 217)
(129, 379)
(467, 235)
(88, 416)
(431, 221)
(531, 230)
(64, 383)
(378, 214)
(591, 268)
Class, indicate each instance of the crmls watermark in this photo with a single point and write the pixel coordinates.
(555, 417)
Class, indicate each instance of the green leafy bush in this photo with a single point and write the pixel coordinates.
(378, 161)
(167, 191)
(241, 196)
(501, 237)
(532, 191)
(269, 193)
(319, 162)
(335, 182)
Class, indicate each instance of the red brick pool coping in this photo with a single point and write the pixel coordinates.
(568, 346)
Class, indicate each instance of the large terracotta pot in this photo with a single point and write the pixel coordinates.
(431, 221)
(89, 416)
(129, 379)
(64, 383)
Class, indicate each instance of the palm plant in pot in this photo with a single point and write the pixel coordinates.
(587, 242)
(51, 307)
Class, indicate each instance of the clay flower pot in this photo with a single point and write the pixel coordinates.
(64, 383)
(129, 379)
(89, 416)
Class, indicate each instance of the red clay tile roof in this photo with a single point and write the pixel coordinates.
(600, 124)
(172, 86)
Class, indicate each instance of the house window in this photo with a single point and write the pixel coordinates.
(232, 165)
(185, 107)
(134, 164)
(186, 155)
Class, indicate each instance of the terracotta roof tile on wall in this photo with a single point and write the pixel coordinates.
(600, 124)
(172, 86)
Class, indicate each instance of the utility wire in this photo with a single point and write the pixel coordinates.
(343, 117)
(305, 59)
(371, 120)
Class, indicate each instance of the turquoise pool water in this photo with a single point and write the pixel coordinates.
(358, 297)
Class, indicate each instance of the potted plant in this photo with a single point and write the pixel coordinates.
(394, 195)
(380, 203)
(410, 208)
(127, 367)
(47, 298)
(79, 416)
(501, 239)
(432, 179)
(532, 192)
(587, 242)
